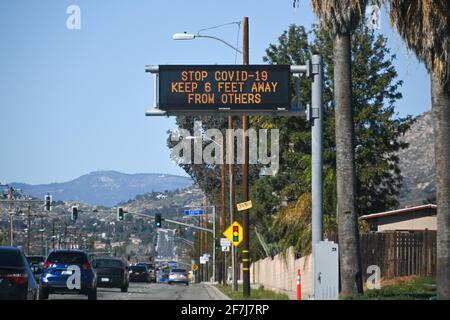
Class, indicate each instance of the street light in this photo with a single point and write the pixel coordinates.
(190, 36)
(183, 36)
(187, 36)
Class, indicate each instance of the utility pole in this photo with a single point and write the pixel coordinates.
(53, 234)
(200, 248)
(222, 270)
(245, 193)
(205, 236)
(230, 153)
(29, 230)
(11, 231)
(65, 235)
(42, 235)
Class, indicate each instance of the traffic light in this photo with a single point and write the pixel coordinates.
(48, 202)
(158, 220)
(120, 216)
(74, 213)
(235, 233)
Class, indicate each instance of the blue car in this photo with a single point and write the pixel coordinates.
(62, 264)
(164, 277)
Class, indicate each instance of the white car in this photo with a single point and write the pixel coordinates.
(178, 276)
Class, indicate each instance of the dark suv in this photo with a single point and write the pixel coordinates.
(151, 270)
(16, 279)
(111, 273)
(139, 273)
(62, 265)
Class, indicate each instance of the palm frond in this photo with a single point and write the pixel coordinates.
(340, 16)
(424, 26)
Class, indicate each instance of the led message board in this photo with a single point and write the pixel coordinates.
(229, 87)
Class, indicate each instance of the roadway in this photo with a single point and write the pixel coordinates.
(153, 291)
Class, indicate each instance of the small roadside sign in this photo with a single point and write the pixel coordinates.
(234, 233)
(193, 212)
(194, 267)
(202, 260)
(225, 242)
(244, 206)
(225, 248)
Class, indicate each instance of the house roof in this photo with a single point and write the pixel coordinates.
(398, 211)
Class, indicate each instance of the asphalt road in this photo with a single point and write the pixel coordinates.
(147, 291)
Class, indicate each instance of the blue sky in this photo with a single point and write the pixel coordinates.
(73, 101)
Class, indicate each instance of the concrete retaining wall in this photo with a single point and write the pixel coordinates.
(280, 273)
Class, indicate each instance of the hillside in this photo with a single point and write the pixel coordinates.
(98, 225)
(106, 188)
(417, 163)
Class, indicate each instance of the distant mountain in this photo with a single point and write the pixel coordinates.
(417, 163)
(106, 188)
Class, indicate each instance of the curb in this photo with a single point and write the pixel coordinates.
(215, 293)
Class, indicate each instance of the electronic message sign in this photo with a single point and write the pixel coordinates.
(228, 87)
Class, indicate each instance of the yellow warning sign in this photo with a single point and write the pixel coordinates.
(194, 267)
(234, 233)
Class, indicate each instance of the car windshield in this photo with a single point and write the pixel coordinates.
(108, 263)
(10, 258)
(178, 271)
(138, 268)
(67, 258)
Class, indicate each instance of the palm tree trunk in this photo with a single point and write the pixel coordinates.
(440, 94)
(350, 259)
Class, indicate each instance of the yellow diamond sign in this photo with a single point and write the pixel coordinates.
(234, 233)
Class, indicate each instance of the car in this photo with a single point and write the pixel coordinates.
(55, 277)
(178, 276)
(37, 265)
(111, 273)
(151, 270)
(139, 273)
(16, 278)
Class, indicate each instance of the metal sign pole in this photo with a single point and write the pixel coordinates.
(316, 116)
(214, 244)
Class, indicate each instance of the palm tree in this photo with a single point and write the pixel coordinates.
(341, 18)
(424, 26)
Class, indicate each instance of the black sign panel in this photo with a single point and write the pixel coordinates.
(234, 87)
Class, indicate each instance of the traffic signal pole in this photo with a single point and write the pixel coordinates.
(245, 193)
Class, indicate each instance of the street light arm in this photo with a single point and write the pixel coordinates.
(218, 39)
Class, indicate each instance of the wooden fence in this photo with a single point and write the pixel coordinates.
(400, 253)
